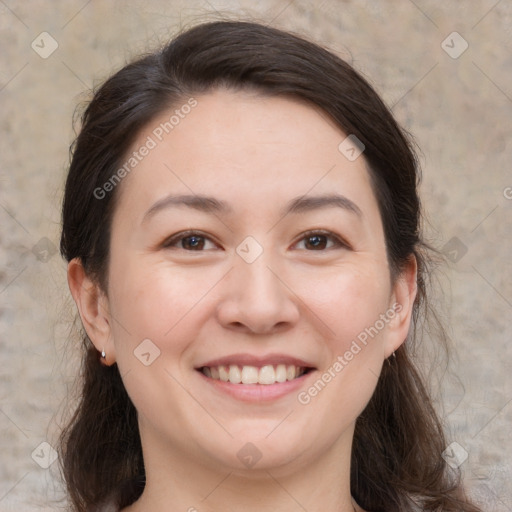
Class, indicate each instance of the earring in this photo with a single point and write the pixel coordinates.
(394, 354)
(103, 354)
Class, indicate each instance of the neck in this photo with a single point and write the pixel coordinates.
(174, 481)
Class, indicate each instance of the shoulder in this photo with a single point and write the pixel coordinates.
(109, 505)
(125, 494)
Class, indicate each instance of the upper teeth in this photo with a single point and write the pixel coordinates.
(267, 374)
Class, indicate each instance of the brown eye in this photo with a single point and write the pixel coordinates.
(188, 241)
(321, 241)
(316, 242)
(192, 242)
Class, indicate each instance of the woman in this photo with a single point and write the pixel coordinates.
(241, 222)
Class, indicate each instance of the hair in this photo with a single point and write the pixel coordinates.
(397, 462)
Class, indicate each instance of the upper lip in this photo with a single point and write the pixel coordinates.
(253, 360)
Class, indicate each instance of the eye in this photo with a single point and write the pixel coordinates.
(321, 240)
(188, 241)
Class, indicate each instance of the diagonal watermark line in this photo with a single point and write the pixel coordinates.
(202, 297)
(125, 374)
(198, 403)
(304, 304)
(285, 490)
(211, 211)
(15, 219)
(492, 419)
(485, 15)
(79, 79)
(218, 485)
(14, 485)
(414, 86)
(75, 15)
(491, 285)
(489, 214)
(212, 8)
(14, 76)
(492, 81)
(14, 14)
(12, 280)
(502, 502)
(373, 373)
(307, 192)
(13, 422)
(424, 13)
(281, 12)
(280, 423)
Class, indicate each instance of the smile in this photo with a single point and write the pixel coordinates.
(265, 375)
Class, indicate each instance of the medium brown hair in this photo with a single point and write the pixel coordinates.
(398, 441)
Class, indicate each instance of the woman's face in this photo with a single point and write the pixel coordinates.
(282, 269)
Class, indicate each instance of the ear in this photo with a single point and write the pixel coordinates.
(93, 307)
(402, 302)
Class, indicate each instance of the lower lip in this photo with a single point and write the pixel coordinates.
(257, 392)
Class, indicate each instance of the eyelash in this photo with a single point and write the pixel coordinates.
(178, 237)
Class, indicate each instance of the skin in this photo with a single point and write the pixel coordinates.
(256, 153)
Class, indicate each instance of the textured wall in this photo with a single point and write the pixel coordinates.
(457, 102)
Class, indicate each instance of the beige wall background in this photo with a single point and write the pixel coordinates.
(457, 102)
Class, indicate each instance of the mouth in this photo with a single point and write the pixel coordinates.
(265, 375)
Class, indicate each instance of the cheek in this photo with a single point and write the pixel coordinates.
(351, 304)
(158, 302)
(349, 300)
(166, 306)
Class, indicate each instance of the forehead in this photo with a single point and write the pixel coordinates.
(246, 148)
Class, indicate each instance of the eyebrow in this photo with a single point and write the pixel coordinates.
(305, 204)
(201, 203)
(212, 205)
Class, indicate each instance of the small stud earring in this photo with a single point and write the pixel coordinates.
(393, 354)
(103, 354)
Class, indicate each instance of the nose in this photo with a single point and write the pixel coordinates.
(255, 299)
